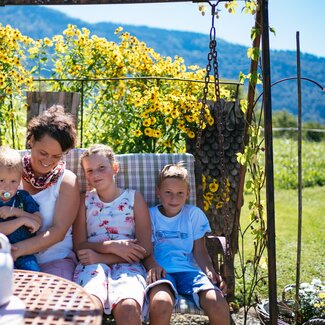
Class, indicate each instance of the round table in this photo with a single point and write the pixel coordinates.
(53, 300)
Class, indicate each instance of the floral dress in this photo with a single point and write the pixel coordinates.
(115, 282)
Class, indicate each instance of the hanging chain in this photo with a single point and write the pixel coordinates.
(212, 62)
(212, 56)
(217, 108)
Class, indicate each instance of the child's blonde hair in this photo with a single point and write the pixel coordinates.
(177, 171)
(99, 149)
(11, 159)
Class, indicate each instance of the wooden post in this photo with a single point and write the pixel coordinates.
(39, 101)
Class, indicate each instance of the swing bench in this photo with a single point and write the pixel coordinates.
(140, 172)
(212, 153)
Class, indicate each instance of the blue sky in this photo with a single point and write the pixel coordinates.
(286, 16)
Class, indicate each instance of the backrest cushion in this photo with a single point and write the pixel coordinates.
(137, 171)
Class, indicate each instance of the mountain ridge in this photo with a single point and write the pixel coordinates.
(193, 47)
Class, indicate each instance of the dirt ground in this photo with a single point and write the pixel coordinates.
(187, 319)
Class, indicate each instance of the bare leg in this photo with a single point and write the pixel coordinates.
(215, 306)
(161, 304)
(127, 312)
(98, 303)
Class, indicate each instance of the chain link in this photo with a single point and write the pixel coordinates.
(213, 62)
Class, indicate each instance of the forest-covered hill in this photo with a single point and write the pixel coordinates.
(38, 22)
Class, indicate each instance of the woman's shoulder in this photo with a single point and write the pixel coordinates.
(69, 180)
(69, 176)
(69, 172)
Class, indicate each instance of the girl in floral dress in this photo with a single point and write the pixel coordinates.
(112, 235)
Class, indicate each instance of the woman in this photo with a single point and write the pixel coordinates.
(49, 136)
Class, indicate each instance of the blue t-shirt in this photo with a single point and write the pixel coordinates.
(173, 238)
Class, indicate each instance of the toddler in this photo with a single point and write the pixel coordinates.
(19, 213)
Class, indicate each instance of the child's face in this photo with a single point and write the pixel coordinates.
(99, 171)
(9, 182)
(173, 194)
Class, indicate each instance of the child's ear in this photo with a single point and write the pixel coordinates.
(188, 192)
(115, 167)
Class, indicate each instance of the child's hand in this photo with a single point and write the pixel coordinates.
(129, 250)
(88, 256)
(6, 212)
(155, 274)
(217, 279)
(222, 285)
(31, 224)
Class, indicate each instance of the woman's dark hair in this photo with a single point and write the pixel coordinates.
(55, 123)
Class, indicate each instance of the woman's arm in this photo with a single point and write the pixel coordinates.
(66, 208)
(79, 227)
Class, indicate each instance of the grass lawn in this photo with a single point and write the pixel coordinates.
(313, 236)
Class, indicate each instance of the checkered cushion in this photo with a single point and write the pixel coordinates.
(140, 172)
(185, 306)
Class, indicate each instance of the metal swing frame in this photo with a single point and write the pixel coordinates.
(270, 211)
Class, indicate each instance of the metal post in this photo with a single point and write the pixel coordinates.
(299, 180)
(273, 308)
(82, 113)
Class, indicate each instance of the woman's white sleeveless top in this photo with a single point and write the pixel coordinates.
(47, 200)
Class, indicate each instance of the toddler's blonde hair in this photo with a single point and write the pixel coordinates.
(11, 159)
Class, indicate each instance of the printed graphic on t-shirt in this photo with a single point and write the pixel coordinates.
(165, 234)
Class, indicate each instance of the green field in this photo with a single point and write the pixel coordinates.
(286, 216)
(313, 239)
(286, 163)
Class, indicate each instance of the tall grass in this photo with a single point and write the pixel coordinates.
(286, 217)
(286, 163)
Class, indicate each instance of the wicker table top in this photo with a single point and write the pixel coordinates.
(53, 300)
